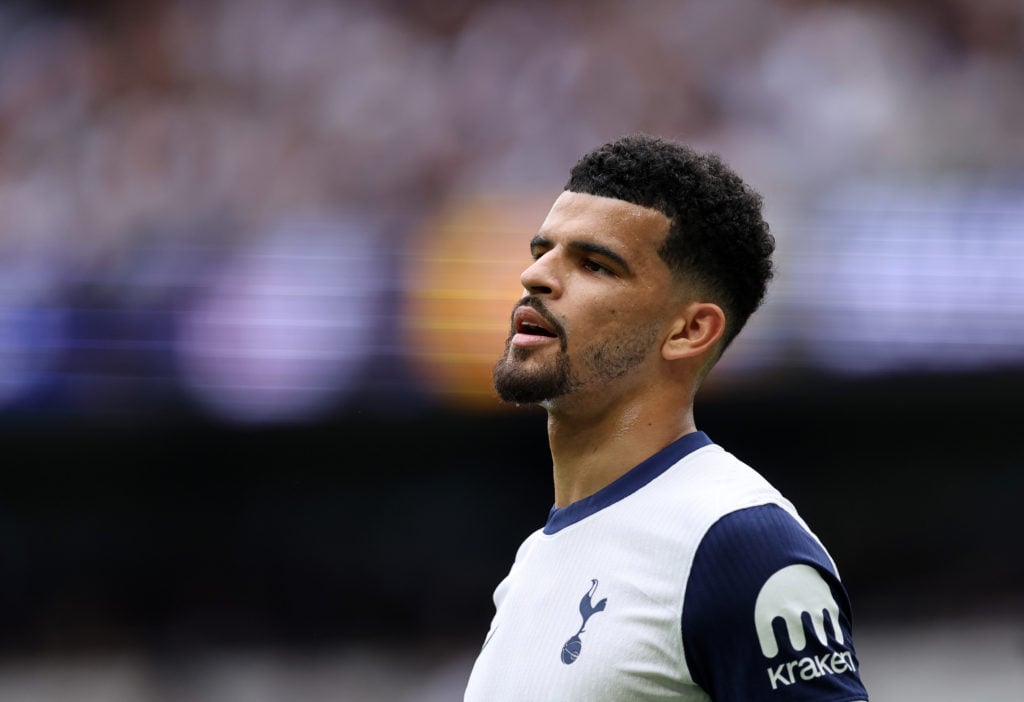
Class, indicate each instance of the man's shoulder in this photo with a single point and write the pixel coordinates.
(712, 482)
(763, 587)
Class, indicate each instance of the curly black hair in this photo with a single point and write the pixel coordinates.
(717, 237)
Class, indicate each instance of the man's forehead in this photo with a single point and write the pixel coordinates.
(587, 208)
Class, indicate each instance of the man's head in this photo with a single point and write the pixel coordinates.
(718, 241)
(652, 254)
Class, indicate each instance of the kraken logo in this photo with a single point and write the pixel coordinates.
(787, 595)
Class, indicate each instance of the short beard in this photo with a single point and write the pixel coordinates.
(514, 384)
(603, 363)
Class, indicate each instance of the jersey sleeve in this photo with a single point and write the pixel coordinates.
(765, 616)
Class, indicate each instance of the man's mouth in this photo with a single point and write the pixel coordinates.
(532, 329)
(528, 322)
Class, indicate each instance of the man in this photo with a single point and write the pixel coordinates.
(667, 569)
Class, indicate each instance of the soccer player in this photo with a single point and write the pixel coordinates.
(668, 569)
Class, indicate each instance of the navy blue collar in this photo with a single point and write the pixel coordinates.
(645, 472)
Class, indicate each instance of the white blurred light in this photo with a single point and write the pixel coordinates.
(913, 278)
(285, 327)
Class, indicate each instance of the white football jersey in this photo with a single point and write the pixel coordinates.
(688, 578)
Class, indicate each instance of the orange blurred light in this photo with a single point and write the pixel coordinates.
(461, 282)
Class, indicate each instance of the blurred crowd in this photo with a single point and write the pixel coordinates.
(218, 194)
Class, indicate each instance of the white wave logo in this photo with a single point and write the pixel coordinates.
(787, 595)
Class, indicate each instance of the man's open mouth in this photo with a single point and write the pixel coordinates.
(528, 321)
(534, 329)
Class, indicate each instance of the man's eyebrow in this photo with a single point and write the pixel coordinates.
(542, 241)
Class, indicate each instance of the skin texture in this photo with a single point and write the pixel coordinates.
(619, 376)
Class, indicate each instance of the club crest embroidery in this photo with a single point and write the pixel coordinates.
(571, 649)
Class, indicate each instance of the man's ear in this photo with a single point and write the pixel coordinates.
(695, 331)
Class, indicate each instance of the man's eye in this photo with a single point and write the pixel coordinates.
(594, 266)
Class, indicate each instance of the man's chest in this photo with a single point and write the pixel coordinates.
(574, 621)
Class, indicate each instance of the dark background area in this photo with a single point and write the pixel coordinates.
(183, 533)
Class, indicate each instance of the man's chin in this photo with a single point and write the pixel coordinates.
(525, 383)
(513, 386)
(520, 391)
(516, 392)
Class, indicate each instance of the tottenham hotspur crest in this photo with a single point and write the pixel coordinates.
(571, 649)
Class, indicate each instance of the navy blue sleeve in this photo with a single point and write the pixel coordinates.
(765, 616)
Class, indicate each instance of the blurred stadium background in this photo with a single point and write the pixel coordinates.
(257, 258)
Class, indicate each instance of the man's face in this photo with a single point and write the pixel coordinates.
(596, 305)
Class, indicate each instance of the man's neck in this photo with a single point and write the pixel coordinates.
(590, 450)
